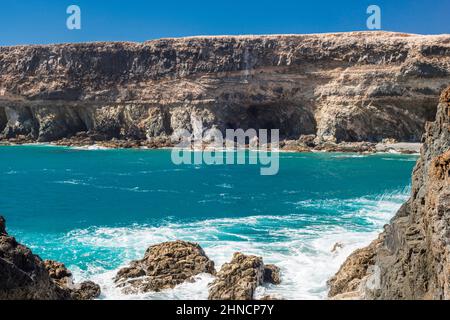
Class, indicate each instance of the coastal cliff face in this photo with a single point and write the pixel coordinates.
(411, 258)
(340, 87)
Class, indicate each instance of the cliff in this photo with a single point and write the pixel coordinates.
(341, 87)
(411, 258)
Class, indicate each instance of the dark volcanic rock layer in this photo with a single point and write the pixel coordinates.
(343, 87)
(411, 258)
(24, 276)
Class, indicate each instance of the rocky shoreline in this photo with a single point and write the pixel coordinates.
(25, 276)
(410, 259)
(85, 142)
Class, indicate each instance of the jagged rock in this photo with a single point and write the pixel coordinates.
(353, 271)
(238, 279)
(58, 272)
(410, 259)
(2, 225)
(308, 140)
(164, 266)
(357, 86)
(24, 276)
(86, 290)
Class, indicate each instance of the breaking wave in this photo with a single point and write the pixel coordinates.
(300, 244)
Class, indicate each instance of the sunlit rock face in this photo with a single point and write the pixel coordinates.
(410, 259)
(341, 87)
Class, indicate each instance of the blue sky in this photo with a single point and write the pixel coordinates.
(44, 21)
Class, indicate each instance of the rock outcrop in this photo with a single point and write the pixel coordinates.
(24, 276)
(238, 279)
(359, 86)
(58, 272)
(164, 266)
(2, 226)
(411, 258)
(272, 274)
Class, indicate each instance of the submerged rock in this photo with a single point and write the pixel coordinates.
(62, 276)
(24, 276)
(238, 279)
(336, 247)
(164, 266)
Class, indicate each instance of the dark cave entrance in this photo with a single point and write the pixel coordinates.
(291, 121)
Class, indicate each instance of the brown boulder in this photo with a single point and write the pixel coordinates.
(238, 279)
(272, 274)
(86, 290)
(164, 266)
(58, 272)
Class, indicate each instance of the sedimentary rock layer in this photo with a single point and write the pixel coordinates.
(343, 87)
(411, 258)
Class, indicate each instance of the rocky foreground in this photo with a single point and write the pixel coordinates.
(411, 258)
(168, 264)
(346, 87)
(25, 276)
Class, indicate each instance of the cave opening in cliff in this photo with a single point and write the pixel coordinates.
(291, 121)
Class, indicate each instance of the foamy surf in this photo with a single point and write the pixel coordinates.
(301, 247)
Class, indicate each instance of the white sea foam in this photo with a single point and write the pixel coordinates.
(90, 147)
(350, 156)
(302, 252)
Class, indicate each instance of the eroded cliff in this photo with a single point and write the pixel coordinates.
(344, 87)
(411, 258)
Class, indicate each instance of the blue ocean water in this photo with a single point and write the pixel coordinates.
(95, 210)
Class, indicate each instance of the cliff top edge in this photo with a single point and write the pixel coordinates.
(325, 36)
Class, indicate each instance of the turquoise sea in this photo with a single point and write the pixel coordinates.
(95, 210)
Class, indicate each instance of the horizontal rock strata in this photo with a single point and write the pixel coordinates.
(357, 86)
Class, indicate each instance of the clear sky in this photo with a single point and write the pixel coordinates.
(44, 21)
